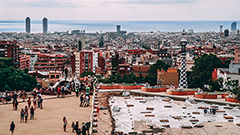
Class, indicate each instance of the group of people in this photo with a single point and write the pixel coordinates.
(8, 96)
(211, 111)
(32, 105)
(78, 129)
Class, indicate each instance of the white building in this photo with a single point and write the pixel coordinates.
(77, 63)
(95, 61)
(233, 72)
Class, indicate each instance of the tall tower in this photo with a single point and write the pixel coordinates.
(183, 73)
(28, 25)
(45, 25)
(226, 33)
(81, 44)
(118, 28)
(221, 28)
(101, 42)
(234, 26)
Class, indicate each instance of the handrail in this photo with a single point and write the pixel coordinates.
(91, 115)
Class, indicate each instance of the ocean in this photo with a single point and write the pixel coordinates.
(108, 26)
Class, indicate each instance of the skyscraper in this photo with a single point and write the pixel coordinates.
(45, 25)
(28, 25)
(118, 28)
(81, 44)
(226, 33)
(234, 26)
(101, 42)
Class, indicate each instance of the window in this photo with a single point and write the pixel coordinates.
(57, 76)
(52, 76)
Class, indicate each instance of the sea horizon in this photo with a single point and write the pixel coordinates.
(110, 26)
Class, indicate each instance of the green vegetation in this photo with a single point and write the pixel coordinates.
(151, 78)
(11, 78)
(202, 72)
(232, 86)
(86, 73)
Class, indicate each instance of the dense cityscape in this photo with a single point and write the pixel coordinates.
(183, 71)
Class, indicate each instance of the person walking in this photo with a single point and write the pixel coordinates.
(35, 102)
(81, 100)
(26, 113)
(84, 128)
(29, 102)
(64, 124)
(16, 104)
(12, 127)
(32, 113)
(76, 128)
(22, 114)
(41, 102)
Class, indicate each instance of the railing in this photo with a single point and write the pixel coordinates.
(91, 115)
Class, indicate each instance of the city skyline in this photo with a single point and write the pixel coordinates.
(121, 10)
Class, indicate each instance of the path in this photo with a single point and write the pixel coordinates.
(47, 120)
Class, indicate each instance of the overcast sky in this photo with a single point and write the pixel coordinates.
(120, 9)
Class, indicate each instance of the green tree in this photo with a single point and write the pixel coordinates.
(140, 79)
(152, 72)
(232, 86)
(86, 73)
(7, 61)
(11, 78)
(202, 70)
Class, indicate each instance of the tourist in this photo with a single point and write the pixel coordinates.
(205, 111)
(26, 113)
(58, 91)
(12, 127)
(214, 111)
(77, 91)
(76, 128)
(32, 113)
(24, 95)
(87, 98)
(73, 126)
(40, 102)
(22, 114)
(64, 123)
(35, 102)
(16, 104)
(81, 100)
(29, 102)
(84, 128)
(5, 95)
(87, 126)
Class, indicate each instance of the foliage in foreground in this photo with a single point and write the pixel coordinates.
(11, 78)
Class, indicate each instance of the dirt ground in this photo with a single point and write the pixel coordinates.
(47, 121)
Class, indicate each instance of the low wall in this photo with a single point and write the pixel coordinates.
(144, 89)
(206, 96)
(125, 87)
(181, 93)
(228, 99)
